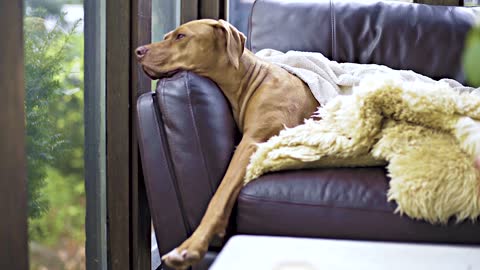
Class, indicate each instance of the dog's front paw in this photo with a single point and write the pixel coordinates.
(187, 254)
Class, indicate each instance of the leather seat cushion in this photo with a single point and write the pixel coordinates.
(348, 203)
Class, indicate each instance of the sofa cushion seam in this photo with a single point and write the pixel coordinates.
(163, 111)
(148, 183)
(256, 198)
(333, 36)
(250, 26)
(197, 136)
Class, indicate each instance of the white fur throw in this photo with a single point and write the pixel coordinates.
(426, 132)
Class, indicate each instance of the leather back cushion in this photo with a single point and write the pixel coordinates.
(200, 134)
(423, 38)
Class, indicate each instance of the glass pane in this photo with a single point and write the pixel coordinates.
(165, 17)
(53, 36)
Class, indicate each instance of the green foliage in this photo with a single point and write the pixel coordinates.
(55, 137)
(67, 219)
(471, 57)
(43, 52)
(69, 110)
(54, 124)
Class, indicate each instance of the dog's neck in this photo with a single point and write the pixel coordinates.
(239, 84)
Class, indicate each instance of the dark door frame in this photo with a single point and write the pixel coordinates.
(128, 24)
(203, 9)
(118, 219)
(13, 169)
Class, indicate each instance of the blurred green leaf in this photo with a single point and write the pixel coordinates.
(471, 57)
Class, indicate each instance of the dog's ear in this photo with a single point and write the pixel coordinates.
(235, 41)
(167, 34)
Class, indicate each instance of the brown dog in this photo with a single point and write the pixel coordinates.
(263, 98)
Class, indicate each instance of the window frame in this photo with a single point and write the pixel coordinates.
(118, 218)
(128, 25)
(13, 168)
(95, 135)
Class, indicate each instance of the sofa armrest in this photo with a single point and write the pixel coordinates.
(187, 136)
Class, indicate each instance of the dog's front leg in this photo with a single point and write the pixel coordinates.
(215, 220)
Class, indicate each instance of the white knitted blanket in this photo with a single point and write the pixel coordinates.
(328, 79)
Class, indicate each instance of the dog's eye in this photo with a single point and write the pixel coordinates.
(180, 36)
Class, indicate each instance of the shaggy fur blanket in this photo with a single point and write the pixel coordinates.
(426, 133)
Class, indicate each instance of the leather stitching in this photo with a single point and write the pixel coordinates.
(197, 136)
(164, 161)
(259, 199)
(149, 177)
(333, 36)
(178, 190)
(163, 107)
(250, 26)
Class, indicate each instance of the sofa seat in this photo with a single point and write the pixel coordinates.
(348, 203)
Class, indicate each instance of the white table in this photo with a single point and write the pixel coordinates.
(282, 253)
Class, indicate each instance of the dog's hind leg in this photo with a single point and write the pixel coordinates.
(216, 218)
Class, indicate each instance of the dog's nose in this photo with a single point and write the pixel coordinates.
(141, 51)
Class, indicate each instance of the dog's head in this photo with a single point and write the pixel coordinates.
(197, 46)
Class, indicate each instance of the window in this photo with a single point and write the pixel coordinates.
(53, 48)
(52, 97)
(165, 17)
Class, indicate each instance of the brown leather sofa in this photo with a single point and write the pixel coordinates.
(188, 135)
